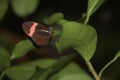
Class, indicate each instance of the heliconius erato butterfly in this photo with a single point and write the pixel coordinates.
(39, 34)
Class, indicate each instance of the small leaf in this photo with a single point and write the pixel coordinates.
(118, 54)
(54, 18)
(24, 7)
(79, 36)
(20, 72)
(3, 8)
(22, 48)
(72, 70)
(75, 77)
(4, 58)
(93, 5)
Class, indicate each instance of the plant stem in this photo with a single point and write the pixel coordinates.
(92, 70)
(108, 64)
(86, 20)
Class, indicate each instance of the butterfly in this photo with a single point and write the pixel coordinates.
(39, 34)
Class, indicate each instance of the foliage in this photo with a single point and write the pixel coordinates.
(3, 8)
(79, 36)
(22, 8)
(4, 58)
(18, 51)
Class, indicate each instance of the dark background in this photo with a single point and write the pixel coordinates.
(105, 20)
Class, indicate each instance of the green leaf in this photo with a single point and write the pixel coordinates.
(93, 5)
(75, 77)
(54, 18)
(72, 70)
(24, 7)
(4, 58)
(20, 72)
(3, 8)
(118, 54)
(22, 48)
(26, 70)
(79, 36)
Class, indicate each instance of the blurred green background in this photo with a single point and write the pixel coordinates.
(105, 20)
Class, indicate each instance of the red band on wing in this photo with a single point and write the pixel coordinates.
(32, 29)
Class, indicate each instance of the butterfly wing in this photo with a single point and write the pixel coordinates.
(29, 27)
(39, 34)
(41, 38)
